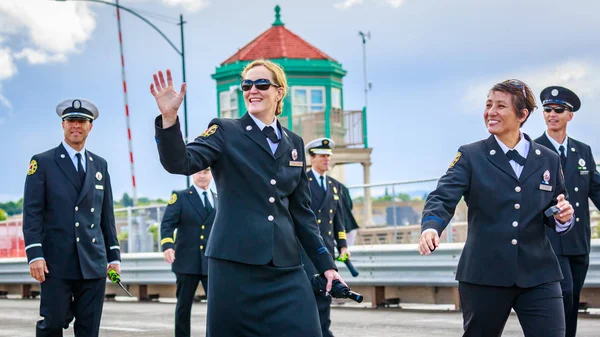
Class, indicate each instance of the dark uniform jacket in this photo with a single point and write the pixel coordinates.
(187, 214)
(506, 241)
(349, 220)
(71, 226)
(327, 207)
(583, 182)
(264, 199)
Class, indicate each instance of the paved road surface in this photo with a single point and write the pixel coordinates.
(17, 319)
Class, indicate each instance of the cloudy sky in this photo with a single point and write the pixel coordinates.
(430, 62)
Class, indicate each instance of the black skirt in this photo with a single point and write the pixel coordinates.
(260, 301)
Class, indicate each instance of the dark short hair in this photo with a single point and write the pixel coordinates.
(522, 96)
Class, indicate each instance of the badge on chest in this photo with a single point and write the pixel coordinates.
(545, 185)
(294, 162)
(582, 169)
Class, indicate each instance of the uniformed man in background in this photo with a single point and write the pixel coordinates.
(583, 182)
(191, 212)
(69, 226)
(326, 203)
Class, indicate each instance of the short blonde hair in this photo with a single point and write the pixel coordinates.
(278, 77)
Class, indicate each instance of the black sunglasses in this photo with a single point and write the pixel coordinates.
(557, 109)
(518, 84)
(261, 84)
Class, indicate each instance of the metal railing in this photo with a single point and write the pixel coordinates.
(139, 228)
(345, 126)
(394, 215)
(394, 218)
(396, 212)
(380, 265)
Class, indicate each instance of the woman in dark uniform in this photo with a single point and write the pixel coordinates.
(257, 284)
(508, 183)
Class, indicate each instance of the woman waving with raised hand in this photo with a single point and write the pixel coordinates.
(257, 284)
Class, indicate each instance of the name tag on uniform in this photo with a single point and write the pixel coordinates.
(545, 187)
(99, 187)
(584, 173)
(295, 163)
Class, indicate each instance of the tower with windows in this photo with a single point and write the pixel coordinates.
(314, 106)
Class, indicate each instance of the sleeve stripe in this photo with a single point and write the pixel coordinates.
(166, 240)
(37, 258)
(33, 245)
(322, 250)
(435, 218)
(115, 247)
(342, 235)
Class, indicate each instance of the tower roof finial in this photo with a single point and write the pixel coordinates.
(277, 17)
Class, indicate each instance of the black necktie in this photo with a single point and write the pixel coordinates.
(270, 133)
(514, 155)
(207, 204)
(323, 184)
(563, 158)
(80, 170)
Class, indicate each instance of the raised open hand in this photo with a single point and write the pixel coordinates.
(167, 99)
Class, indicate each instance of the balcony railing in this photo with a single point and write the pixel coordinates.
(345, 127)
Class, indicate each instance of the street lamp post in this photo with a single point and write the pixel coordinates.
(367, 169)
(364, 42)
(180, 52)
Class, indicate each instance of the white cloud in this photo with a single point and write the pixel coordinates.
(51, 27)
(39, 57)
(581, 76)
(7, 65)
(7, 70)
(345, 4)
(188, 5)
(44, 31)
(6, 112)
(395, 3)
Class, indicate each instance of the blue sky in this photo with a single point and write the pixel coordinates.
(431, 63)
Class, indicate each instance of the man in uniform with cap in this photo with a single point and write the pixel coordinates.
(582, 181)
(192, 212)
(69, 226)
(326, 203)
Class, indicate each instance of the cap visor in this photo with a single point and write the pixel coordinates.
(77, 118)
(321, 151)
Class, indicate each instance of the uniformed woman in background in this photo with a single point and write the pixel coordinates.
(508, 182)
(257, 284)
